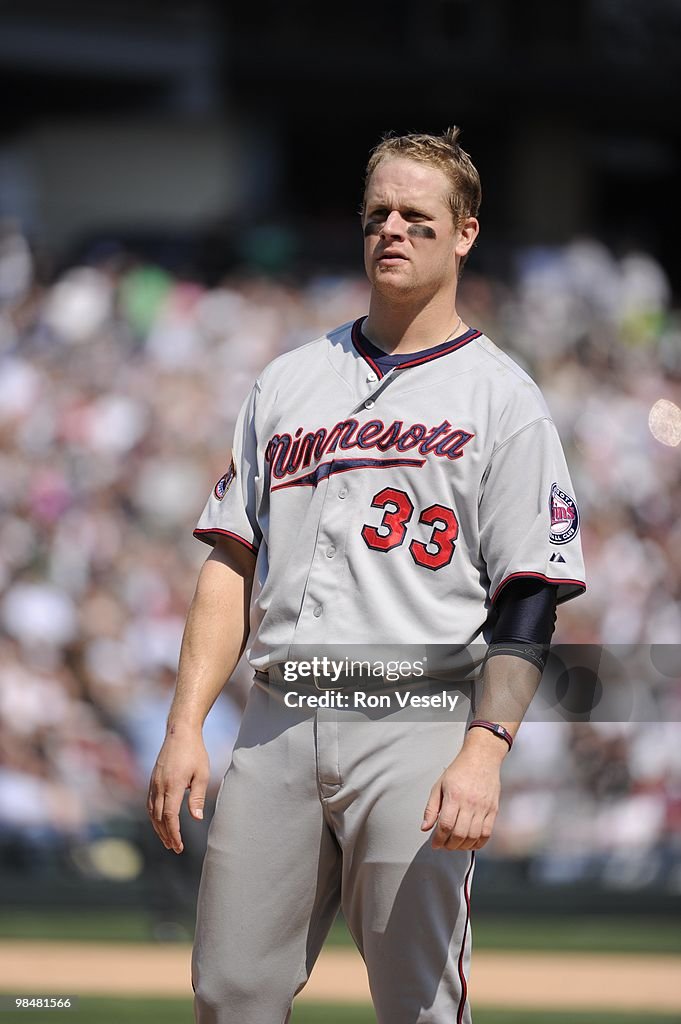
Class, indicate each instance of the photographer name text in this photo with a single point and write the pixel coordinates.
(358, 699)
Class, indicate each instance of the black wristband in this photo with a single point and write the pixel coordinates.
(498, 730)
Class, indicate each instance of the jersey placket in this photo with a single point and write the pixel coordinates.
(334, 522)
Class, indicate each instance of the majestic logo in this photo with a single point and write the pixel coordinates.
(225, 482)
(564, 516)
(288, 454)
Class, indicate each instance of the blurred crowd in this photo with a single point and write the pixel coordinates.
(119, 387)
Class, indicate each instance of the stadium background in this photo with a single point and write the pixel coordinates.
(178, 187)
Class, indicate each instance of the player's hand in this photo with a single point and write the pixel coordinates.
(464, 801)
(181, 764)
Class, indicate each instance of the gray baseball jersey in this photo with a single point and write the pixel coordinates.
(394, 507)
(388, 508)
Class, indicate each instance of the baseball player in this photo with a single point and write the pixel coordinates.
(397, 482)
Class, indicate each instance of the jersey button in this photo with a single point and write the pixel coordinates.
(330, 551)
(343, 493)
(317, 611)
(369, 404)
(371, 377)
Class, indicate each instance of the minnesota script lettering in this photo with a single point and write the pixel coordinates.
(287, 453)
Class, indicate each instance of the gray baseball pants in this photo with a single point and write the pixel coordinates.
(321, 810)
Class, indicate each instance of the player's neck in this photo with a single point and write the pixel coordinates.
(397, 329)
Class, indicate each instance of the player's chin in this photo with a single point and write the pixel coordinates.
(391, 280)
(391, 268)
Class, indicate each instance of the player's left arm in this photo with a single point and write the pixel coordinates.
(534, 543)
(464, 801)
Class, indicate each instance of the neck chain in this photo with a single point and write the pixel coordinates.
(452, 334)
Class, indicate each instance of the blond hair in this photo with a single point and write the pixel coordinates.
(441, 151)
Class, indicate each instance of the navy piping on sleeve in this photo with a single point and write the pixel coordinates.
(203, 534)
(579, 584)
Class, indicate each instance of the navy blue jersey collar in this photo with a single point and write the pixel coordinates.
(382, 362)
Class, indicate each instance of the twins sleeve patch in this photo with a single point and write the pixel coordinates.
(564, 516)
(225, 482)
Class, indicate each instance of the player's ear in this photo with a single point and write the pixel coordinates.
(468, 231)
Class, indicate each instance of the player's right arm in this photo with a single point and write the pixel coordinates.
(214, 638)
